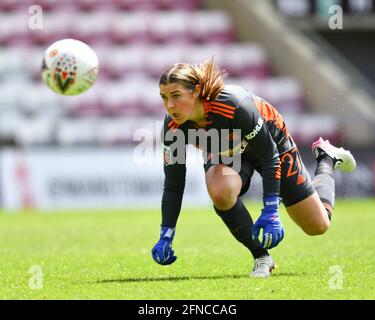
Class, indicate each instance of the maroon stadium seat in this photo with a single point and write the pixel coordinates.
(210, 27)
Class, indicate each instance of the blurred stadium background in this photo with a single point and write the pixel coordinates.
(94, 150)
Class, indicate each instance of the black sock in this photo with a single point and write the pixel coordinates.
(239, 223)
(324, 183)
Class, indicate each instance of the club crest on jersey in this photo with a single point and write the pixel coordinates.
(167, 155)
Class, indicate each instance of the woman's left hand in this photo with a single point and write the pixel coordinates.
(269, 221)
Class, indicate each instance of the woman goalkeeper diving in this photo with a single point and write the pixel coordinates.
(196, 99)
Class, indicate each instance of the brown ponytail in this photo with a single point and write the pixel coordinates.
(207, 75)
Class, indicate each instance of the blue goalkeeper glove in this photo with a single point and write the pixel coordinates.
(269, 221)
(162, 252)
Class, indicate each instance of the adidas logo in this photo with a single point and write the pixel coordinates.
(272, 203)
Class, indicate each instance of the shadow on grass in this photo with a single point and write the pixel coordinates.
(181, 278)
(288, 274)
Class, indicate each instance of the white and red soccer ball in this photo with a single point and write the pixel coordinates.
(69, 67)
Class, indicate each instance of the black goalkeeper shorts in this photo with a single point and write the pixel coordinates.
(295, 184)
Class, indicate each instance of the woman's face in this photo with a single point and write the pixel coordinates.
(179, 102)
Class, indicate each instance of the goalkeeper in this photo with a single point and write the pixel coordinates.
(195, 98)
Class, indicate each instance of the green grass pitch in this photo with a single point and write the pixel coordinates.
(106, 255)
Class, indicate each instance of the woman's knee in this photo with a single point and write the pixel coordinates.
(317, 228)
(223, 189)
(223, 196)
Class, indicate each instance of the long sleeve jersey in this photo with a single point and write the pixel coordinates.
(239, 124)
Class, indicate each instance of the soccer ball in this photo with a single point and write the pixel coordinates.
(69, 67)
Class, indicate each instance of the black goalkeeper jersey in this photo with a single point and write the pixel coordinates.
(254, 131)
